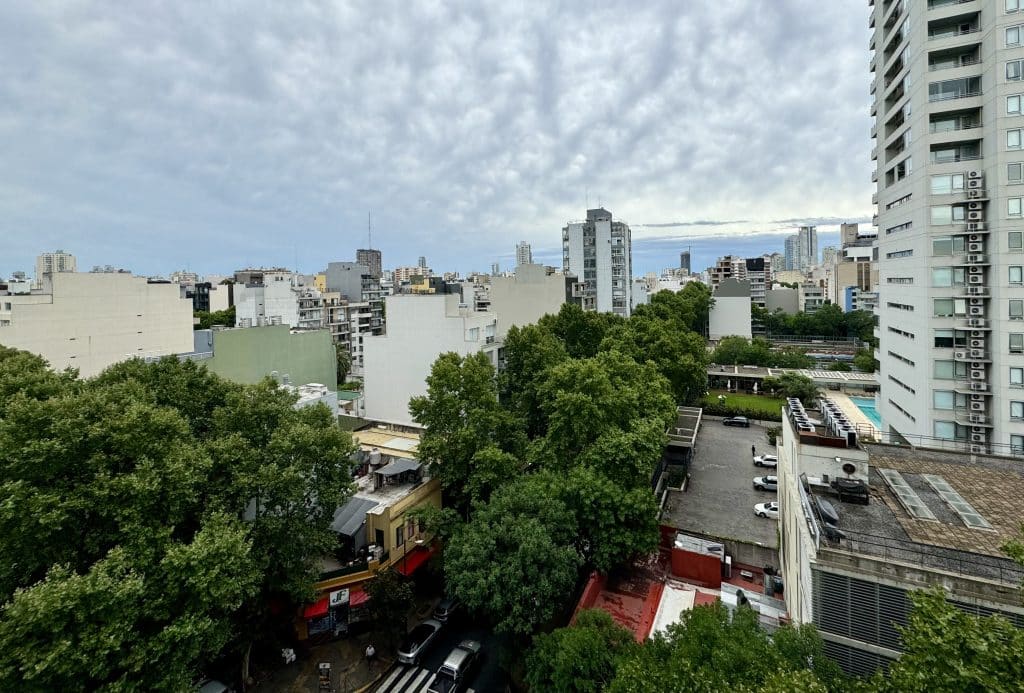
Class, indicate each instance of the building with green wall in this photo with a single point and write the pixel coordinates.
(249, 354)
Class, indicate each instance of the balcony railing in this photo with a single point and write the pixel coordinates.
(937, 4)
(968, 125)
(934, 67)
(955, 158)
(932, 98)
(951, 34)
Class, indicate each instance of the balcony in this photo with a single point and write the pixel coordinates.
(952, 31)
(972, 387)
(939, 4)
(971, 418)
(974, 324)
(951, 89)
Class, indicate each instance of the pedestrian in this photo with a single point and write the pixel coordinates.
(371, 655)
(753, 451)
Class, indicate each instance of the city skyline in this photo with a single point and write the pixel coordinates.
(166, 147)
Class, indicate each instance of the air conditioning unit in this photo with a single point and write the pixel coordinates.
(974, 238)
(977, 343)
(976, 226)
(976, 322)
(977, 418)
(976, 258)
(978, 429)
(979, 387)
(977, 406)
(976, 175)
(977, 437)
(977, 398)
(977, 353)
(976, 279)
(960, 355)
(975, 247)
(977, 310)
(974, 206)
(977, 375)
(974, 193)
(977, 365)
(976, 216)
(975, 270)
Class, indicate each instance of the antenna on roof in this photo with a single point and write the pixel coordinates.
(369, 229)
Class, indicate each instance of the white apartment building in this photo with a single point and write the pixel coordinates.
(802, 249)
(949, 117)
(599, 252)
(421, 327)
(90, 321)
(271, 299)
(730, 313)
(523, 298)
(51, 263)
(524, 255)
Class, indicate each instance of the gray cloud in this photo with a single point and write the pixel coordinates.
(162, 135)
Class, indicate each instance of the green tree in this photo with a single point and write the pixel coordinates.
(679, 354)
(515, 560)
(224, 318)
(344, 362)
(865, 360)
(792, 385)
(948, 650)
(687, 309)
(462, 417)
(580, 331)
(841, 366)
(391, 600)
(579, 658)
(529, 352)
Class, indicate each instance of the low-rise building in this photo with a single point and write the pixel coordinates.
(522, 298)
(91, 321)
(863, 525)
(730, 313)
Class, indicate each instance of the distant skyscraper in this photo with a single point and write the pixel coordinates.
(791, 260)
(848, 234)
(684, 260)
(372, 260)
(524, 256)
(58, 261)
(599, 252)
(802, 249)
(495, 269)
(423, 261)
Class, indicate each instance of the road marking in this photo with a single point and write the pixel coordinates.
(398, 685)
(391, 679)
(415, 685)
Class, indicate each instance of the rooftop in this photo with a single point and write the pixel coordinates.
(393, 443)
(817, 376)
(937, 535)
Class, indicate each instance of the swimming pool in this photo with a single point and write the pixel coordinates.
(867, 406)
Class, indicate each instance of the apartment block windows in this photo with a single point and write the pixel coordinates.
(1017, 410)
(1016, 309)
(948, 245)
(949, 276)
(1016, 274)
(948, 307)
(949, 214)
(1015, 240)
(944, 339)
(943, 399)
(1013, 104)
(945, 430)
(949, 370)
(1013, 140)
(400, 535)
(1013, 69)
(954, 89)
(1013, 35)
(1012, 6)
(1017, 445)
(1017, 342)
(944, 185)
(1013, 207)
(1015, 172)
(1017, 377)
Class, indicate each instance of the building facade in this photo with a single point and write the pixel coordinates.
(730, 313)
(524, 254)
(684, 261)
(371, 259)
(599, 252)
(523, 298)
(50, 263)
(948, 164)
(90, 321)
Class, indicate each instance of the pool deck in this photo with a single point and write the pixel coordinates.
(852, 411)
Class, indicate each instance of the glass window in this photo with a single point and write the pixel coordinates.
(1013, 105)
(1012, 35)
(942, 276)
(947, 214)
(1015, 240)
(1013, 139)
(944, 339)
(1015, 172)
(1016, 442)
(945, 430)
(1016, 274)
(399, 536)
(942, 246)
(1017, 410)
(944, 370)
(942, 399)
(1013, 69)
(945, 184)
(1017, 376)
(1017, 342)
(1012, 5)
(1016, 309)
(943, 307)
(1013, 207)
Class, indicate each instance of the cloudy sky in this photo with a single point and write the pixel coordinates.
(157, 136)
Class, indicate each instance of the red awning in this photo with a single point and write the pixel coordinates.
(316, 609)
(357, 597)
(408, 564)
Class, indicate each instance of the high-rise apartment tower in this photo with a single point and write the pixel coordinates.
(948, 121)
(598, 251)
(372, 259)
(524, 255)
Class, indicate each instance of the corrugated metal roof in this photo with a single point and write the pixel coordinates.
(350, 517)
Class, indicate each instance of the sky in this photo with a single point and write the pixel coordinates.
(213, 136)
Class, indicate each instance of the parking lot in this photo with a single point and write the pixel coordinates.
(720, 499)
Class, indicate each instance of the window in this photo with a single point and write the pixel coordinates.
(900, 253)
(946, 184)
(943, 308)
(1013, 207)
(1017, 377)
(942, 399)
(1017, 445)
(944, 339)
(1017, 410)
(1015, 172)
(1015, 240)
(1017, 342)
(943, 370)
(399, 536)
(950, 214)
(945, 430)
(1013, 35)
(948, 276)
(948, 245)
(1013, 105)
(1012, 5)
(1013, 139)
(1016, 309)
(1016, 274)
(1013, 70)
(900, 227)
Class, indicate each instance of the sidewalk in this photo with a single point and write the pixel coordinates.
(349, 670)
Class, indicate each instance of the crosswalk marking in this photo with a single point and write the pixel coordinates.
(419, 679)
(407, 679)
(390, 680)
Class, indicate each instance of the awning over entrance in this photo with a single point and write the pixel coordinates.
(408, 564)
(357, 597)
(317, 609)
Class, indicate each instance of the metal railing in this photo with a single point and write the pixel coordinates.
(932, 98)
(951, 34)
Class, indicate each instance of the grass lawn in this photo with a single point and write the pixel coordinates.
(770, 405)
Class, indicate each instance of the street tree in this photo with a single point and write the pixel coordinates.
(580, 331)
(792, 385)
(343, 362)
(680, 355)
(529, 352)
(391, 600)
(580, 658)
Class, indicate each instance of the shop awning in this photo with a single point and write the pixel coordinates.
(317, 609)
(357, 597)
(399, 466)
(408, 564)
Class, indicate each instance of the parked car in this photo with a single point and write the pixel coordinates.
(766, 483)
(770, 510)
(736, 421)
(766, 461)
(446, 608)
(213, 686)
(458, 666)
(417, 641)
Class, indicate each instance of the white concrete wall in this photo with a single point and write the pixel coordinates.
(730, 316)
(94, 320)
(275, 298)
(603, 235)
(522, 299)
(420, 328)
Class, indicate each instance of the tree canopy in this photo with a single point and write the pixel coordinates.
(758, 352)
(150, 515)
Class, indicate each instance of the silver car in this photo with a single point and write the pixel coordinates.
(417, 641)
(457, 668)
(766, 483)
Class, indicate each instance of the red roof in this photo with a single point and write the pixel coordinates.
(412, 560)
(316, 609)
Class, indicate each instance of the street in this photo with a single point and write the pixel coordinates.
(488, 678)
